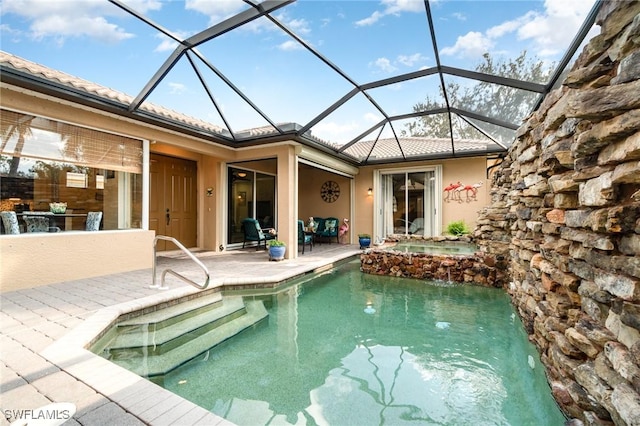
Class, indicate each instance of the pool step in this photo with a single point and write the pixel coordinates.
(170, 329)
(148, 359)
(172, 314)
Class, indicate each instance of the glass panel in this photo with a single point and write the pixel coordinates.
(240, 201)
(542, 30)
(268, 54)
(339, 127)
(83, 170)
(369, 40)
(409, 96)
(491, 100)
(251, 194)
(265, 200)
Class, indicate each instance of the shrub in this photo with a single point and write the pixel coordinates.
(457, 228)
(276, 243)
(364, 236)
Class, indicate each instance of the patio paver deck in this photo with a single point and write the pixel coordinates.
(44, 332)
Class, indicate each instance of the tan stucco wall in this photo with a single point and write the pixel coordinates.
(310, 203)
(32, 260)
(468, 171)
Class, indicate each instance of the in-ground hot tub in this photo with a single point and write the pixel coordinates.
(446, 259)
(435, 247)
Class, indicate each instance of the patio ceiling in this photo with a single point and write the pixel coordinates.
(315, 81)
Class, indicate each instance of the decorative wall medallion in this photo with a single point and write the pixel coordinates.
(330, 191)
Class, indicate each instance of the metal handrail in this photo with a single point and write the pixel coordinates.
(162, 286)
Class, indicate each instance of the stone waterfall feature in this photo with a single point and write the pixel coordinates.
(565, 212)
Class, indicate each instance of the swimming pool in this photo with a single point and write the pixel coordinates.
(350, 348)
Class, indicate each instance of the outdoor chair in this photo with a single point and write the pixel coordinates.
(10, 222)
(253, 232)
(327, 228)
(304, 238)
(93, 221)
(39, 223)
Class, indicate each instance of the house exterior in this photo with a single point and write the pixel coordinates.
(74, 145)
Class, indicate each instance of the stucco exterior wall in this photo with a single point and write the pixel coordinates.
(33, 260)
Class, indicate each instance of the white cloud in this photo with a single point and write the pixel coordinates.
(411, 60)
(472, 44)
(375, 17)
(384, 64)
(167, 43)
(336, 132)
(459, 16)
(60, 20)
(216, 10)
(177, 88)
(392, 7)
(548, 32)
(290, 45)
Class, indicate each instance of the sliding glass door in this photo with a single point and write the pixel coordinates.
(251, 194)
(408, 203)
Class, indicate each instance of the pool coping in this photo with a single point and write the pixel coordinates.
(140, 397)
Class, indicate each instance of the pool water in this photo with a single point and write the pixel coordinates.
(347, 348)
(442, 247)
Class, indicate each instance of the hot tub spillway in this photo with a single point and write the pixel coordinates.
(156, 343)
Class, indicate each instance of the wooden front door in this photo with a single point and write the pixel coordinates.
(173, 201)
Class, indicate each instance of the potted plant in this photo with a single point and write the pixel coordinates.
(365, 240)
(277, 249)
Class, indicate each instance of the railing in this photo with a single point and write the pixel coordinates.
(162, 286)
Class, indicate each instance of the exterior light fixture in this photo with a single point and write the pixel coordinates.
(370, 191)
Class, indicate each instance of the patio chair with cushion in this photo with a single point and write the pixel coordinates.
(39, 223)
(253, 232)
(327, 228)
(93, 221)
(10, 222)
(304, 237)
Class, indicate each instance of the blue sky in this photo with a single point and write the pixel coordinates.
(368, 40)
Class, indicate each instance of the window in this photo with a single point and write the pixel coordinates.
(45, 161)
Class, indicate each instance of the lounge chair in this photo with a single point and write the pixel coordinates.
(303, 237)
(253, 232)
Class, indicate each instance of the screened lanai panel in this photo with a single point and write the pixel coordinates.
(494, 101)
(182, 90)
(353, 118)
(544, 30)
(122, 52)
(369, 40)
(418, 94)
(284, 80)
(502, 135)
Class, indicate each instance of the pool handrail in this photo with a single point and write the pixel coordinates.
(162, 285)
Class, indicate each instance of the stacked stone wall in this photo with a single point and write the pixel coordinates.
(565, 212)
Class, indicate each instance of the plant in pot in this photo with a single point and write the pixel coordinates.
(277, 249)
(364, 240)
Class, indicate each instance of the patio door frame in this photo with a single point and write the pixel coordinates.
(379, 201)
(251, 201)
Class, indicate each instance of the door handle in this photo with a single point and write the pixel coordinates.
(168, 217)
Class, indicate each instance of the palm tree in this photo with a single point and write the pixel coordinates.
(20, 129)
